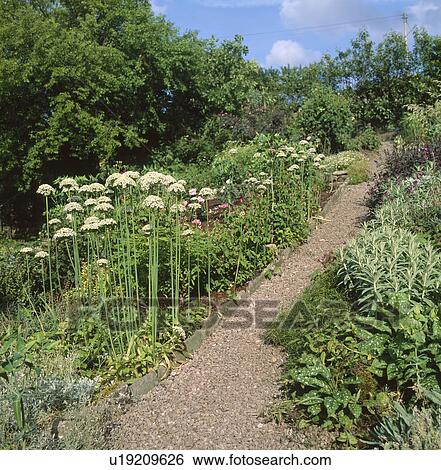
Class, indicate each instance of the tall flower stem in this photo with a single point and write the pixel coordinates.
(49, 249)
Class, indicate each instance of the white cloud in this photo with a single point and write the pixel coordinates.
(426, 13)
(290, 53)
(157, 8)
(237, 3)
(304, 13)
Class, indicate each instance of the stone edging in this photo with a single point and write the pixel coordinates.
(145, 384)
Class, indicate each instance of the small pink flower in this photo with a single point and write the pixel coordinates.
(193, 192)
(196, 222)
(223, 206)
(201, 200)
(185, 203)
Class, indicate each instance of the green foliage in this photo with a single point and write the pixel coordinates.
(422, 123)
(387, 266)
(418, 428)
(413, 203)
(326, 116)
(342, 161)
(358, 172)
(367, 139)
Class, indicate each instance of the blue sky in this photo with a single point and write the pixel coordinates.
(281, 32)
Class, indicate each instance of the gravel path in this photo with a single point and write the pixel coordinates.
(216, 400)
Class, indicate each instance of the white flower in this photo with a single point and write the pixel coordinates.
(317, 164)
(312, 150)
(68, 184)
(111, 178)
(104, 207)
(90, 202)
(303, 142)
(228, 181)
(45, 190)
(154, 177)
(153, 202)
(207, 193)
(180, 208)
(102, 262)
(183, 182)
(107, 222)
(96, 188)
(261, 187)
(132, 174)
(85, 188)
(293, 167)
(146, 229)
(64, 232)
(123, 181)
(54, 221)
(267, 182)
(176, 188)
(262, 173)
(179, 331)
(69, 218)
(91, 220)
(252, 180)
(41, 254)
(187, 232)
(90, 227)
(73, 207)
(194, 206)
(232, 151)
(26, 250)
(102, 199)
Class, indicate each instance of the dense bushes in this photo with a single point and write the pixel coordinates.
(326, 116)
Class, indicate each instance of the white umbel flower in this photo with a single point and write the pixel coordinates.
(207, 193)
(73, 207)
(54, 221)
(102, 262)
(102, 199)
(26, 250)
(293, 167)
(187, 232)
(132, 174)
(194, 206)
(153, 178)
(153, 202)
(104, 207)
(68, 185)
(90, 202)
(146, 229)
(93, 227)
(123, 181)
(176, 188)
(45, 190)
(107, 222)
(111, 178)
(96, 188)
(63, 233)
(41, 255)
(91, 220)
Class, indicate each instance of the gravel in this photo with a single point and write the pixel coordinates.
(217, 399)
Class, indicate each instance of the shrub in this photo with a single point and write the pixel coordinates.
(418, 428)
(358, 172)
(342, 160)
(327, 116)
(402, 162)
(387, 263)
(365, 140)
(422, 123)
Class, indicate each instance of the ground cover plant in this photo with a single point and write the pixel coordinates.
(371, 365)
(126, 268)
